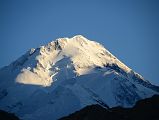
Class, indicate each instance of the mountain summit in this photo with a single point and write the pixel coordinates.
(66, 75)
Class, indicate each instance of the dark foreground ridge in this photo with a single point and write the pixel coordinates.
(7, 116)
(147, 109)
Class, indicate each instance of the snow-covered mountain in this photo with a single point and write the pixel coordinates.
(66, 75)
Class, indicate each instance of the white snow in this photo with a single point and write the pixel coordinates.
(66, 75)
(28, 77)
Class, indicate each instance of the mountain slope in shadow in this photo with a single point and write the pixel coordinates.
(147, 109)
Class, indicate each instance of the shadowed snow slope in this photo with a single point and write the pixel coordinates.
(66, 75)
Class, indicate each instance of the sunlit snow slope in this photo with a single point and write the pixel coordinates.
(66, 75)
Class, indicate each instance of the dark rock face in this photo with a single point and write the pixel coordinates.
(147, 109)
(7, 116)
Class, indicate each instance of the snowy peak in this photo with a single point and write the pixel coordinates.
(61, 43)
(81, 48)
(47, 62)
(66, 75)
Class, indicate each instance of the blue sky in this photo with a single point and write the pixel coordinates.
(129, 29)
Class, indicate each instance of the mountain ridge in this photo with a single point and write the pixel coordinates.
(66, 75)
(146, 109)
